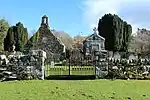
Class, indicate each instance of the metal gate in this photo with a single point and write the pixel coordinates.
(76, 68)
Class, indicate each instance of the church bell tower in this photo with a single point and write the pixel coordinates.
(44, 22)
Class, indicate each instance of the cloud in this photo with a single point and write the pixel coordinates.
(135, 12)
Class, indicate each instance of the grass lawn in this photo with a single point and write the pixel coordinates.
(75, 90)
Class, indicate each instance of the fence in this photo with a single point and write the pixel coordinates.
(80, 67)
(69, 70)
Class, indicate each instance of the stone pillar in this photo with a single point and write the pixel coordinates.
(43, 68)
(64, 48)
(42, 21)
(47, 21)
(43, 57)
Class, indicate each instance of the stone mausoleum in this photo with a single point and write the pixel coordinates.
(94, 47)
(94, 43)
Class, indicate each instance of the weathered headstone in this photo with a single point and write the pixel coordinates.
(133, 57)
(52, 64)
(117, 56)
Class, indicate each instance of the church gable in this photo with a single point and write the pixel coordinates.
(47, 41)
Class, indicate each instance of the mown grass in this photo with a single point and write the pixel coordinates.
(75, 90)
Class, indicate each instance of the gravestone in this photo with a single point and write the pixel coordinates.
(133, 57)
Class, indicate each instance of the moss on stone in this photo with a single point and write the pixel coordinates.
(35, 37)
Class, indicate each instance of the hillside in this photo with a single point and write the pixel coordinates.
(64, 37)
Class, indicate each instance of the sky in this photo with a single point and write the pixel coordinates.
(75, 17)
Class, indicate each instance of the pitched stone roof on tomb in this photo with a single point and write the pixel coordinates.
(94, 36)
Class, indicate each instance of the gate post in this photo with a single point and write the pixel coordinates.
(68, 53)
(43, 57)
(69, 67)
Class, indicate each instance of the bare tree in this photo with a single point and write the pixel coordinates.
(140, 43)
(78, 41)
(64, 37)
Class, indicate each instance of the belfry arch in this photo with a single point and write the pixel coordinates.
(44, 21)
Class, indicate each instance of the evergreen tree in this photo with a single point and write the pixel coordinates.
(10, 37)
(116, 32)
(16, 35)
(4, 26)
(32, 41)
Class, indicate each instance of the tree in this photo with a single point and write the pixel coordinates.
(4, 26)
(116, 32)
(106, 30)
(32, 41)
(64, 37)
(10, 37)
(16, 35)
(78, 41)
(140, 42)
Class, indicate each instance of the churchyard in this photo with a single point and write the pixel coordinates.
(45, 57)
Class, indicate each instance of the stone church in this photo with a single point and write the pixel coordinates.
(47, 41)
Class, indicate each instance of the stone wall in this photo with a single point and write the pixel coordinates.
(122, 55)
(20, 67)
